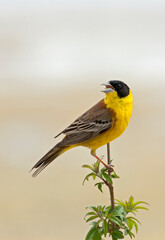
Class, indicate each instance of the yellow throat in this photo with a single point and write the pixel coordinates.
(121, 106)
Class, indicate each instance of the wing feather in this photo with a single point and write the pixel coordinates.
(89, 125)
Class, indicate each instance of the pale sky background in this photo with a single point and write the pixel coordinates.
(53, 56)
(52, 43)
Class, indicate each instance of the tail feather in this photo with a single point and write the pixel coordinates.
(41, 168)
(46, 160)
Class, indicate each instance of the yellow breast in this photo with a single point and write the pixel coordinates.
(122, 108)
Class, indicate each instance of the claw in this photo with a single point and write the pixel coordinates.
(110, 168)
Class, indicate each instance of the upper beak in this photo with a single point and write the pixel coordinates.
(109, 88)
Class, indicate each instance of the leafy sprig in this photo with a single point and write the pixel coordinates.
(101, 174)
(107, 222)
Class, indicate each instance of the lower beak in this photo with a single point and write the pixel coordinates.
(109, 88)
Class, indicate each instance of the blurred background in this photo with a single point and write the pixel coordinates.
(53, 56)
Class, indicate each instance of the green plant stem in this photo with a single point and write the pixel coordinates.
(111, 189)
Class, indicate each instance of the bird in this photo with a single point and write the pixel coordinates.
(101, 124)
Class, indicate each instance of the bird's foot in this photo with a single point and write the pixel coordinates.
(109, 167)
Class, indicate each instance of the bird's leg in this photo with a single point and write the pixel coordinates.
(108, 166)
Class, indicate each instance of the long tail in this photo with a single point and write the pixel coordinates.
(47, 159)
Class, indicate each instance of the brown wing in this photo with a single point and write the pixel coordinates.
(89, 125)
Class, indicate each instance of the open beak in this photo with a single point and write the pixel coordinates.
(108, 88)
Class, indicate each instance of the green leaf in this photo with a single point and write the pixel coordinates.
(97, 235)
(88, 166)
(135, 225)
(91, 218)
(134, 219)
(99, 174)
(93, 208)
(130, 211)
(95, 224)
(96, 165)
(107, 211)
(136, 208)
(118, 234)
(99, 207)
(119, 202)
(119, 216)
(115, 220)
(90, 213)
(102, 209)
(128, 232)
(131, 221)
(108, 178)
(130, 202)
(89, 175)
(105, 227)
(104, 169)
(90, 233)
(114, 238)
(99, 185)
(119, 209)
(131, 234)
(129, 224)
(139, 202)
(114, 175)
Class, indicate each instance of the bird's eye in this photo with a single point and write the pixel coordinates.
(118, 85)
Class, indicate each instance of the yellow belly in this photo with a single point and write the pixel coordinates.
(123, 111)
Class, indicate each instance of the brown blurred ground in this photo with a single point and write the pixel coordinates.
(52, 206)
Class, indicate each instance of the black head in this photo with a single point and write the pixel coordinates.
(120, 87)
